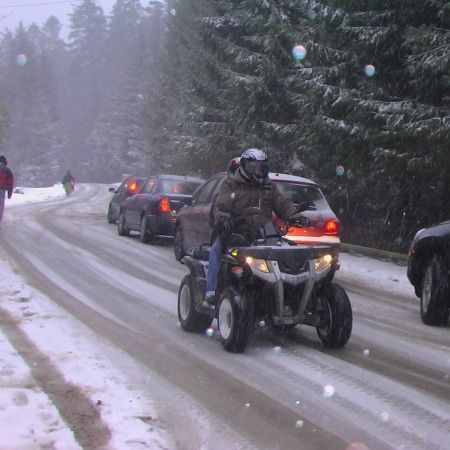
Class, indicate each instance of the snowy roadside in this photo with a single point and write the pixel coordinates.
(83, 360)
(101, 372)
(28, 418)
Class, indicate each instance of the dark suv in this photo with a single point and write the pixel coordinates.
(428, 271)
(193, 225)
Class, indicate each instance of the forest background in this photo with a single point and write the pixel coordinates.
(353, 94)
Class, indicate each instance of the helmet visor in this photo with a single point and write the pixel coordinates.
(259, 169)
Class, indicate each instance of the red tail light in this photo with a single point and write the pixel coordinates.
(164, 205)
(331, 228)
(132, 187)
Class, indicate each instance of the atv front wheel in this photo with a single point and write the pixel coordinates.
(336, 318)
(235, 320)
(434, 309)
(189, 318)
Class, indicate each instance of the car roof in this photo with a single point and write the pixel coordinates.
(132, 178)
(277, 177)
(177, 177)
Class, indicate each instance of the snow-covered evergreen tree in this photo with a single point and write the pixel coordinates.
(374, 110)
(87, 50)
(201, 135)
(126, 130)
(34, 138)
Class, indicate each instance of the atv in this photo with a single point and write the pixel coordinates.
(269, 281)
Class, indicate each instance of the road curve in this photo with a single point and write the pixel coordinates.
(389, 388)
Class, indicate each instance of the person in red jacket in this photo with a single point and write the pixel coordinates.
(6, 183)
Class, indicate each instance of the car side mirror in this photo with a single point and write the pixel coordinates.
(112, 189)
(188, 201)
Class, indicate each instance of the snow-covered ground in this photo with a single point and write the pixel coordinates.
(29, 419)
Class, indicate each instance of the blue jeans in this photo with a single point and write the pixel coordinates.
(215, 255)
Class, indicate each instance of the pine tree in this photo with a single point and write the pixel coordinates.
(126, 132)
(87, 47)
(34, 137)
(375, 77)
(363, 85)
(200, 136)
(246, 54)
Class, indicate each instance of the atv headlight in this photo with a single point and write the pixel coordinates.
(258, 264)
(323, 262)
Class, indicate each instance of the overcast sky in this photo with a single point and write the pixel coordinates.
(28, 11)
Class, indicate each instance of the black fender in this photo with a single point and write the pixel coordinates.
(198, 277)
(194, 266)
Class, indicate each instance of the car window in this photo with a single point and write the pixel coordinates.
(216, 189)
(185, 187)
(148, 187)
(298, 193)
(123, 186)
(204, 195)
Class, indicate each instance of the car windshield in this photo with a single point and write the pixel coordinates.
(186, 187)
(298, 193)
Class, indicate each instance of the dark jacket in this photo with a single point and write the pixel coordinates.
(6, 179)
(237, 198)
(68, 178)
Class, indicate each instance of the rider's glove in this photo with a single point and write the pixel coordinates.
(299, 220)
(224, 225)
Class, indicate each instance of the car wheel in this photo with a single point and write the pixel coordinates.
(111, 218)
(434, 309)
(178, 244)
(145, 235)
(336, 318)
(189, 318)
(122, 228)
(235, 320)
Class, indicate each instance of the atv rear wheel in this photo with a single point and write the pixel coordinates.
(434, 309)
(189, 318)
(333, 305)
(235, 320)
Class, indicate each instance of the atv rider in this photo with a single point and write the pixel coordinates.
(250, 194)
(68, 182)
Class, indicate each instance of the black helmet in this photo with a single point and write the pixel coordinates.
(254, 166)
(233, 165)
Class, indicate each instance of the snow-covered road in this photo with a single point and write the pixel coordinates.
(104, 321)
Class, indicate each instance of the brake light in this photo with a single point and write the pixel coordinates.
(164, 205)
(132, 187)
(331, 228)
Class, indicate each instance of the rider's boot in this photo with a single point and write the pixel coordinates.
(210, 299)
